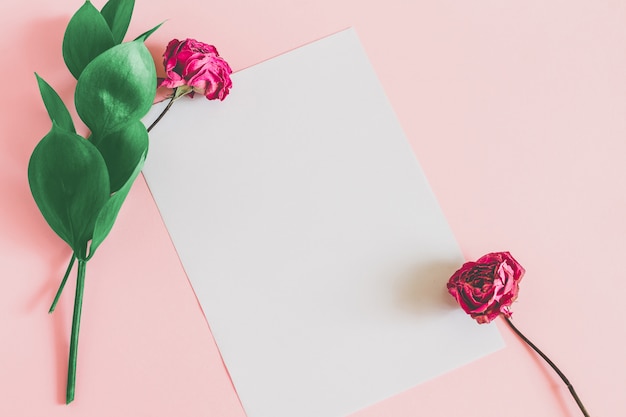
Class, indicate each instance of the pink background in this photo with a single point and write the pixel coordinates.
(516, 111)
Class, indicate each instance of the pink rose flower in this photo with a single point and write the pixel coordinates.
(196, 67)
(486, 288)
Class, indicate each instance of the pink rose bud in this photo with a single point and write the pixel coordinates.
(198, 67)
(486, 288)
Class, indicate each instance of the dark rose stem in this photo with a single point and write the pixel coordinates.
(165, 110)
(552, 365)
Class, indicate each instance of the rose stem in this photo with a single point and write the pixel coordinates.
(165, 110)
(552, 365)
(60, 290)
(78, 304)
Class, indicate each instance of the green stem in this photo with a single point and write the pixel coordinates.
(570, 387)
(60, 290)
(165, 110)
(78, 304)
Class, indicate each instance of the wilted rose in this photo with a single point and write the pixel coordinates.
(196, 67)
(486, 288)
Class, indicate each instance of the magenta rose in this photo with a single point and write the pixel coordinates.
(196, 67)
(486, 288)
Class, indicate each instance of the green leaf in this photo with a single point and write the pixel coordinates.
(108, 214)
(122, 150)
(117, 14)
(147, 34)
(115, 88)
(87, 35)
(56, 108)
(70, 184)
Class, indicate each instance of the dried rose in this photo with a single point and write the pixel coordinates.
(486, 288)
(196, 67)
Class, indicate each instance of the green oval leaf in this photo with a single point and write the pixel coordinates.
(122, 150)
(54, 105)
(108, 214)
(115, 88)
(87, 35)
(117, 14)
(70, 184)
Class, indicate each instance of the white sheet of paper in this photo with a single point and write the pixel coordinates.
(310, 236)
